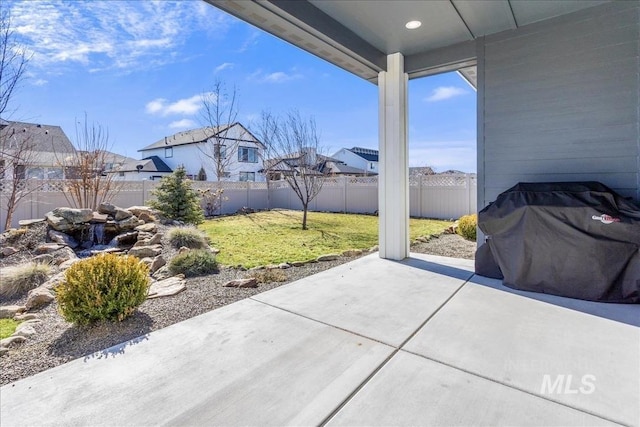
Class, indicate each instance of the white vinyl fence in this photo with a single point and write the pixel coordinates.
(432, 196)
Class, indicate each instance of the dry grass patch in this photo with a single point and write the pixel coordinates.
(19, 279)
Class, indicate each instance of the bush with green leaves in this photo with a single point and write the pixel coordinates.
(176, 199)
(198, 262)
(7, 327)
(103, 287)
(189, 237)
(19, 279)
(467, 226)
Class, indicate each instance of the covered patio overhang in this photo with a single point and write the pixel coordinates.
(556, 81)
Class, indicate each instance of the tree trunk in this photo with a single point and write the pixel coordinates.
(305, 206)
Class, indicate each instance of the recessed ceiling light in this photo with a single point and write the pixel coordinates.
(412, 25)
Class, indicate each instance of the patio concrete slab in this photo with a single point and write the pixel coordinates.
(414, 391)
(380, 299)
(244, 364)
(581, 360)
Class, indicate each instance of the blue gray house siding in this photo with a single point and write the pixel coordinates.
(560, 101)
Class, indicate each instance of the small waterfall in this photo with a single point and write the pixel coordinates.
(98, 233)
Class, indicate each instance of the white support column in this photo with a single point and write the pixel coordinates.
(393, 181)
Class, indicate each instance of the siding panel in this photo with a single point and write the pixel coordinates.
(562, 102)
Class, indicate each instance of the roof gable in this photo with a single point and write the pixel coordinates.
(42, 138)
(200, 135)
(368, 154)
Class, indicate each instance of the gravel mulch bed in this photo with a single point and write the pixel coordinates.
(58, 342)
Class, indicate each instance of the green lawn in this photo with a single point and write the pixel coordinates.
(273, 237)
(7, 327)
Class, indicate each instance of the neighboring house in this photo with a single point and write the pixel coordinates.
(322, 165)
(40, 150)
(113, 161)
(151, 168)
(361, 158)
(240, 153)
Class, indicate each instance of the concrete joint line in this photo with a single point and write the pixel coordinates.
(384, 362)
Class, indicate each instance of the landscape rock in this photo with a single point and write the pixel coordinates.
(25, 329)
(214, 250)
(3, 350)
(12, 340)
(122, 214)
(73, 215)
(99, 218)
(138, 210)
(146, 261)
(68, 263)
(127, 223)
(10, 311)
(29, 222)
(156, 239)
(38, 297)
(47, 248)
(58, 223)
(157, 263)
(162, 273)
(147, 228)
(8, 251)
(124, 239)
(374, 248)
(63, 254)
(146, 251)
(167, 287)
(183, 250)
(25, 316)
(257, 268)
(107, 209)
(146, 217)
(298, 263)
(283, 266)
(55, 280)
(328, 257)
(63, 239)
(250, 282)
(44, 259)
(144, 235)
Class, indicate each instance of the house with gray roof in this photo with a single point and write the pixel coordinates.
(232, 147)
(358, 157)
(151, 168)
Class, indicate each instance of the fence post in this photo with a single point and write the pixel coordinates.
(345, 181)
(468, 182)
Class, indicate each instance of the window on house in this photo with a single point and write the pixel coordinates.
(247, 176)
(168, 152)
(247, 155)
(121, 173)
(226, 174)
(220, 151)
(371, 166)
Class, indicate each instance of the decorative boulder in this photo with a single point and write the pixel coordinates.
(38, 297)
(122, 214)
(63, 239)
(251, 282)
(167, 287)
(8, 251)
(127, 223)
(107, 209)
(138, 210)
(74, 216)
(146, 251)
(147, 228)
(328, 257)
(47, 248)
(9, 311)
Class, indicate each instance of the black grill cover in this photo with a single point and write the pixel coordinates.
(573, 239)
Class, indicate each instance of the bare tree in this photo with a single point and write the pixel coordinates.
(267, 131)
(88, 184)
(295, 143)
(18, 156)
(13, 61)
(16, 149)
(219, 113)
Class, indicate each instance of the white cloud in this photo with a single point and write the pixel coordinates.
(186, 106)
(275, 77)
(40, 82)
(445, 92)
(252, 40)
(127, 35)
(182, 124)
(224, 66)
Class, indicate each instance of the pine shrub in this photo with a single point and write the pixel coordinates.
(467, 226)
(19, 279)
(103, 287)
(176, 199)
(198, 262)
(189, 237)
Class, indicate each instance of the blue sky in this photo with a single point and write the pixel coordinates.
(138, 68)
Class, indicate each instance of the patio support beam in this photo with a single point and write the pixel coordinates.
(393, 181)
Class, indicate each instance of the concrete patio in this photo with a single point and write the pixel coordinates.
(423, 341)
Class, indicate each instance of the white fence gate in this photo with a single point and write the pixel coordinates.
(431, 196)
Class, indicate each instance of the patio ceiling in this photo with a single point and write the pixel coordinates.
(358, 35)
